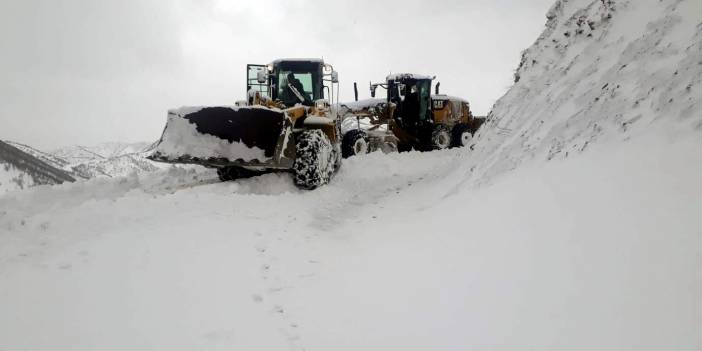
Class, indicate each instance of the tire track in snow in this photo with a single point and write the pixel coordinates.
(368, 184)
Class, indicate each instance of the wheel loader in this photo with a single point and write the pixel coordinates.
(409, 117)
(288, 123)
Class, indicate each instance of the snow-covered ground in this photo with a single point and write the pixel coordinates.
(596, 252)
(573, 225)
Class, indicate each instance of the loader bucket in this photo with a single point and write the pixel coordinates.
(252, 137)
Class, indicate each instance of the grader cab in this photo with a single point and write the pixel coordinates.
(414, 117)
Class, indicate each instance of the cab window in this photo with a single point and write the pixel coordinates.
(305, 79)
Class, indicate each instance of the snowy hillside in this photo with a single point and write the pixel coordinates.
(601, 71)
(573, 225)
(107, 159)
(20, 170)
(46, 157)
(103, 160)
(79, 154)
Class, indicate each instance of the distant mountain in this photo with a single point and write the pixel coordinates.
(79, 154)
(20, 170)
(107, 160)
(80, 162)
(50, 159)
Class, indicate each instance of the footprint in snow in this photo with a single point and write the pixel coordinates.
(277, 289)
(257, 298)
(261, 248)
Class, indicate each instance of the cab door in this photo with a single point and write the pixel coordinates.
(252, 83)
(424, 95)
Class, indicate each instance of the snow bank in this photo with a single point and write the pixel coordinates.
(595, 253)
(602, 70)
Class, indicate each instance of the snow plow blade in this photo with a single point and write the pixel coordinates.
(253, 137)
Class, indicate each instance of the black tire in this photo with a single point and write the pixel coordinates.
(315, 161)
(461, 135)
(355, 142)
(227, 174)
(440, 137)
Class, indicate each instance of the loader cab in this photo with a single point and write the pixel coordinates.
(412, 95)
(292, 81)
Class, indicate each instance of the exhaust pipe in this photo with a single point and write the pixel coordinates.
(355, 90)
(437, 88)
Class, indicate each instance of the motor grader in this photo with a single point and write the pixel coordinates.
(287, 123)
(409, 117)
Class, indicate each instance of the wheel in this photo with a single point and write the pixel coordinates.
(233, 173)
(440, 137)
(355, 142)
(314, 159)
(461, 135)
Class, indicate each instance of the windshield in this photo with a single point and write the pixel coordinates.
(298, 87)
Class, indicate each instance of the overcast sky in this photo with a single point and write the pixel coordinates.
(85, 72)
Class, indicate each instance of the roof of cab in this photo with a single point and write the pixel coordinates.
(310, 60)
(400, 76)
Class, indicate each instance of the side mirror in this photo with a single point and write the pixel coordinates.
(335, 77)
(261, 77)
(372, 89)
